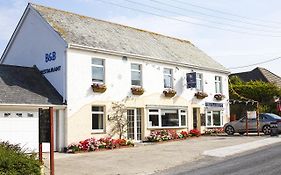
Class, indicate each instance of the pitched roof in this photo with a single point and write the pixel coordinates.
(261, 74)
(94, 33)
(26, 85)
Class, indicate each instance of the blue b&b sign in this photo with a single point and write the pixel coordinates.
(191, 80)
(50, 56)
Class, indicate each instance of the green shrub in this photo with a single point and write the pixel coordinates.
(13, 161)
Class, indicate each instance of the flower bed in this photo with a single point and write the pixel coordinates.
(214, 131)
(165, 135)
(93, 144)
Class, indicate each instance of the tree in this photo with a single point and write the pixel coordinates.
(260, 91)
(118, 118)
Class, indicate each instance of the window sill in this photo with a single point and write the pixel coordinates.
(98, 132)
(214, 126)
(168, 127)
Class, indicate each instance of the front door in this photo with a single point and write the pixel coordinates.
(196, 118)
(134, 124)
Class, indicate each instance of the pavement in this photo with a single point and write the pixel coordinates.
(151, 158)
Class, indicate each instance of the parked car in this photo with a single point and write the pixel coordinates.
(265, 119)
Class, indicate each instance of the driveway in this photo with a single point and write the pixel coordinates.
(144, 158)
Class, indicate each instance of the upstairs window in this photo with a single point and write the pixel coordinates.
(199, 82)
(168, 78)
(136, 74)
(98, 70)
(218, 84)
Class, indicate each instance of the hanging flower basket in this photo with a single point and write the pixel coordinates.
(219, 96)
(100, 88)
(137, 90)
(200, 95)
(169, 92)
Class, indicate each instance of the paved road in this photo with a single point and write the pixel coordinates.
(266, 161)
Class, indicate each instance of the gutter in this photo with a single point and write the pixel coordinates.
(33, 105)
(142, 57)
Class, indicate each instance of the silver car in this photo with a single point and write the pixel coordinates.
(239, 126)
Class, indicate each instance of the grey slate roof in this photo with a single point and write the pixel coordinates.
(261, 74)
(26, 85)
(91, 32)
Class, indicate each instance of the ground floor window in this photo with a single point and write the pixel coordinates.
(97, 118)
(167, 118)
(214, 118)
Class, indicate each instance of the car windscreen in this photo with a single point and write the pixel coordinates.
(274, 116)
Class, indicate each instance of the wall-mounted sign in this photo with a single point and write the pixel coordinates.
(191, 80)
(214, 105)
(52, 69)
(50, 56)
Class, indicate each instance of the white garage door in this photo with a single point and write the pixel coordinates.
(21, 127)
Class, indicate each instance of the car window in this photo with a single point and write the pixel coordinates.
(274, 116)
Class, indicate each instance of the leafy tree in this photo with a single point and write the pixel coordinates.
(118, 118)
(260, 91)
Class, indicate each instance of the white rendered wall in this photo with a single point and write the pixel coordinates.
(118, 82)
(34, 39)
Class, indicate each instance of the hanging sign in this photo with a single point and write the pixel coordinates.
(191, 80)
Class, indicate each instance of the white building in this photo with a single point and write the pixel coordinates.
(75, 51)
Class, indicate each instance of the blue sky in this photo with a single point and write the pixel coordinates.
(260, 21)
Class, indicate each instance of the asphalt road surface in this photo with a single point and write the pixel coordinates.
(265, 161)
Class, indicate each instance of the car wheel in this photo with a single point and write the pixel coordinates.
(229, 130)
(266, 130)
(241, 133)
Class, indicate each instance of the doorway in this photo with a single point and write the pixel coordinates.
(196, 118)
(134, 124)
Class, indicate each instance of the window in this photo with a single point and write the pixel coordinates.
(168, 78)
(136, 74)
(214, 118)
(199, 82)
(218, 84)
(183, 117)
(153, 117)
(98, 70)
(167, 118)
(97, 117)
(19, 114)
(30, 114)
(7, 114)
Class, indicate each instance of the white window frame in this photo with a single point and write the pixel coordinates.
(199, 78)
(218, 84)
(160, 118)
(98, 66)
(103, 118)
(170, 75)
(139, 71)
(210, 113)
